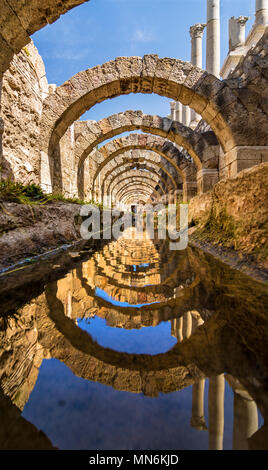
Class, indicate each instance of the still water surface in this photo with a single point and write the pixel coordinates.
(133, 346)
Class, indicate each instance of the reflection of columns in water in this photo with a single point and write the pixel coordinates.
(179, 329)
(187, 325)
(245, 421)
(69, 305)
(197, 320)
(183, 327)
(216, 412)
(245, 414)
(176, 328)
(198, 416)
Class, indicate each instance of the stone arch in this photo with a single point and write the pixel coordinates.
(158, 145)
(19, 20)
(142, 192)
(139, 183)
(136, 186)
(213, 99)
(202, 148)
(151, 165)
(178, 80)
(124, 172)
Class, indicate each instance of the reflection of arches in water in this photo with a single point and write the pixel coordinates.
(172, 303)
(179, 265)
(216, 394)
(85, 366)
(83, 341)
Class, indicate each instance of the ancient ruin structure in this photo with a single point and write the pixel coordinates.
(51, 147)
(209, 155)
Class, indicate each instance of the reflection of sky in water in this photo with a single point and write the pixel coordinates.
(149, 340)
(75, 413)
(78, 414)
(103, 295)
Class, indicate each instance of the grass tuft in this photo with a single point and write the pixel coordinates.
(32, 194)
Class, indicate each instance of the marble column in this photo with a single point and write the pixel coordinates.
(178, 111)
(245, 414)
(216, 412)
(213, 37)
(237, 32)
(173, 110)
(198, 415)
(261, 12)
(187, 325)
(186, 115)
(179, 329)
(245, 421)
(196, 32)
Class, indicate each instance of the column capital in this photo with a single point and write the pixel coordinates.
(197, 30)
(242, 20)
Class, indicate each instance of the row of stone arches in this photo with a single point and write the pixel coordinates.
(234, 109)
(215, 100)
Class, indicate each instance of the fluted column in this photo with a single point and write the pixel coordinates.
(213, 37)
(198, 415)
(216, 412)
(261, 12)
(196, 32)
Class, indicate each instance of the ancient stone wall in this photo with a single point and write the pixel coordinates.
(24, 88)
(21, 19)
(234, 214)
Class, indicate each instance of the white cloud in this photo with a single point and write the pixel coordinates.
(142, 36)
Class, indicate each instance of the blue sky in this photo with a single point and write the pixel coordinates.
(101, 30)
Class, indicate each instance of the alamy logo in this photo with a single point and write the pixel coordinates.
(158, 221)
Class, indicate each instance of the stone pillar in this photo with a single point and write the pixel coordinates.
(261, 12)
(213, 37)
(178, 111)
(245, 421)
(179, 329)
(197, 320)
(186, 116)
(206, 179)
(198, 416)
(187, 325)
(216, 412)
(237, 32)
(173, 110)
(245, 415)
(196, 32)
(191, 189)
